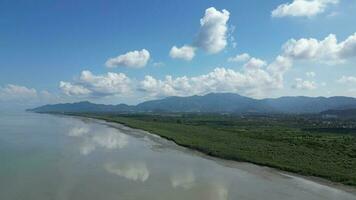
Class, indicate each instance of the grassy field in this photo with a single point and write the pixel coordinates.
(296, 144)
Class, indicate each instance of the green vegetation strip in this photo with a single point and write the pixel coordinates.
(279, 143)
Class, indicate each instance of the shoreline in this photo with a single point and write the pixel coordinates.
(231, 162)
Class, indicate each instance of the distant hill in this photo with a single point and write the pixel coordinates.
(214, 103)
(309, 104)
(84, 106)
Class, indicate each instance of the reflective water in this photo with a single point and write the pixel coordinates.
(46, 157)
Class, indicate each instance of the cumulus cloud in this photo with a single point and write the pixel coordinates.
(73, 90)
(212, 37)
(213, 32)
(302, 8)
(98, 85)
(17, 92)
(255, 63)
(255, 80)
(278, 68)
(347, 79)
(185, 52)
(17, 95)
(133, 59)
(328, 50)
(239, 58)
(348, 47)
(301, 84)
(109, 84)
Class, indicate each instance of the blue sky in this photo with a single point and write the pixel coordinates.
(46, 43)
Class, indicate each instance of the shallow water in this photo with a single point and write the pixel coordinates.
(47, 157)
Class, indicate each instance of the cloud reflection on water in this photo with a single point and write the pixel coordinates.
(135, 171)
(78, 131)
(216, 192)
(94, 137)
(203, 190)
(184, 180)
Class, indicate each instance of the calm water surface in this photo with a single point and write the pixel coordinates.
(46, 157)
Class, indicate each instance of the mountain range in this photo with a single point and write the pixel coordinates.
(214, 103)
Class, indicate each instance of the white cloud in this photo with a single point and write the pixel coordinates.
(239, 58)
(255, 63)
(185, 52)
(301, 84)
(98, 85)
(213, 32)
(257, 78)
(19, 97)
(254, 80)
(134, 59)
(347, 79)
(212, 37)
(109, 84)
(302, 8)
(348, 47)
(17, 92)
(310, 74)
(72, 89)
(278, 68)
(327, 50)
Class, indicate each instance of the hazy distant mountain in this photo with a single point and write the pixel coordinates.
(84, 106)
(214, 103)
(309, 104)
